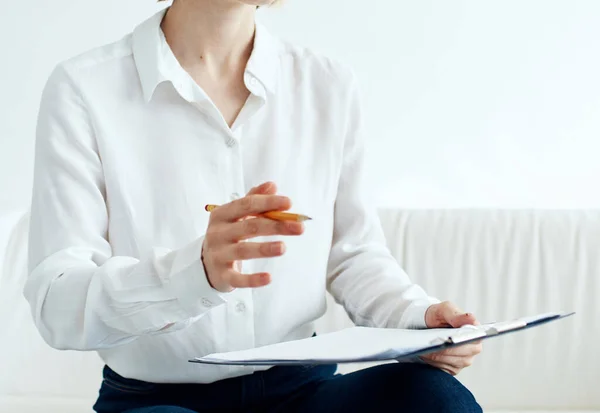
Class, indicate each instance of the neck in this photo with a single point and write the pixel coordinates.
(217, 33)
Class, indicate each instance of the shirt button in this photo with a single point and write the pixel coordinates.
(240, 307)
(206, 302)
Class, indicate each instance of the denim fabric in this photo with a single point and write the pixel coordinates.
(405, 388)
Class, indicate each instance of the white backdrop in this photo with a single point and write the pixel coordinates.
(469, 103)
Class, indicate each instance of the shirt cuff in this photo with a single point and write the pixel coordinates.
(188, 282)
(414, 315)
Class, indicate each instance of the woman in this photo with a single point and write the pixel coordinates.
(196, 106)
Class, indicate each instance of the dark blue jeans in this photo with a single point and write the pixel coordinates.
(404, 388)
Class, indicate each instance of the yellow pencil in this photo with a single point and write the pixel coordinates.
(274, 215)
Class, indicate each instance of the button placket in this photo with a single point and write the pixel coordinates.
(240, 318)
(230, 142)
(240, 307)
(237, 173)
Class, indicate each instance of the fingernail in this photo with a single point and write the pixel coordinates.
(276, 248)
(295, 227)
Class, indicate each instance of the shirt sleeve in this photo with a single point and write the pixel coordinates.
(362, 274)
(82, 297)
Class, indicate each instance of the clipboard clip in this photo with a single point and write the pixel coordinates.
(469, 332)
(475, 332)
(467, 336)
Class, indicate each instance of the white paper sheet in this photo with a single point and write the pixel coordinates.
(351, 343)
(361, 344)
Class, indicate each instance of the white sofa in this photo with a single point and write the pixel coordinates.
(498, 264)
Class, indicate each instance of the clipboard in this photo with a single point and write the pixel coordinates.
(379, 344)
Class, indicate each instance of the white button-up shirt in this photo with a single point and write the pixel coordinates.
(129, 151)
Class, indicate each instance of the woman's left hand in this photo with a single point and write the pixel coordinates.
(452, 360)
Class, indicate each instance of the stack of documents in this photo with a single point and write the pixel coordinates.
(363, 344)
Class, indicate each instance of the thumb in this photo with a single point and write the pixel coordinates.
(449, 315)
(463, 319)
(267, 188)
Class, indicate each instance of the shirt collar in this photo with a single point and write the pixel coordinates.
(153, 57)
(264, 62)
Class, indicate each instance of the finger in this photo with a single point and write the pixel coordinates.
(238, 280)
(251, 250)
(472, 349)
(466, 350)
(257, 227)
(457, 362)
(443, 366)
(251, 205)
(267, 188)
(451, 370)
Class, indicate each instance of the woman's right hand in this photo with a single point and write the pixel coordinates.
(237, 221)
